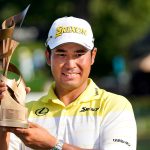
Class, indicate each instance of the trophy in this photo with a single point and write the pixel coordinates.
(13, 112)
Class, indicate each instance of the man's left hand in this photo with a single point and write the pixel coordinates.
(35, 136)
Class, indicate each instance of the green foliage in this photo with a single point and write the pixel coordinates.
(121, 21)
(117, 24)
(141, 109)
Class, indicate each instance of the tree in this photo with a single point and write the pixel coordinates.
(117, 24)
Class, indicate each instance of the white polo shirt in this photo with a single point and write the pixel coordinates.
(97, 119)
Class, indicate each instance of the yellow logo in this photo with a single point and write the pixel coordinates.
(70, 29)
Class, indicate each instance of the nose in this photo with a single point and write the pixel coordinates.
(70, 63)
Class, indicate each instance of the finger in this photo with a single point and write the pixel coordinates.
(2, 84)
(28, 89)
(7, 129)
(33, 125)
(2, 95)
(20, 130)
(3, 129)
(2, 89)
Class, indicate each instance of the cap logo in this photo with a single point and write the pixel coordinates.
(69, 29)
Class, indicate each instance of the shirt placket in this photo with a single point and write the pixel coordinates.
(62, 124)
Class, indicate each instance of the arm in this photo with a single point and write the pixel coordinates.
(37, 137)
(4, 139)
(34, 137)
(119, 127)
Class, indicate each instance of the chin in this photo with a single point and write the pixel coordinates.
(70, 85)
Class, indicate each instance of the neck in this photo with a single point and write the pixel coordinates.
(68, 96)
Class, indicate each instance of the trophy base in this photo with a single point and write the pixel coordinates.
(14, 123)
(13, 117)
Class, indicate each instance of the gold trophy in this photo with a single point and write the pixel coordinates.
(13, 112)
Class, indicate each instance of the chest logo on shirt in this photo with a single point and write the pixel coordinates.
(88, 109)
(42, 111)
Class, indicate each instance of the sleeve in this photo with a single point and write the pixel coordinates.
(119, 129)
(15, 142)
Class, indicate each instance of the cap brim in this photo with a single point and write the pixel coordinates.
(64, 41)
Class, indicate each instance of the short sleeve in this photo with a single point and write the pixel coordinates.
(15, 142)
(119, 129)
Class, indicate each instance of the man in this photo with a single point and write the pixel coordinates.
(75, 114)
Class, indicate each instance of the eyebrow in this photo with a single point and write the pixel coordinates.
(60, 50)
(81, 51)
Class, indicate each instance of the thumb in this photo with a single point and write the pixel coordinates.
(28, 89)
(33, 125)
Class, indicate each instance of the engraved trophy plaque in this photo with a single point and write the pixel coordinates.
(13, 113)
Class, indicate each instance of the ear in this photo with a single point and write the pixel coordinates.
(93, 53)
(48, 57)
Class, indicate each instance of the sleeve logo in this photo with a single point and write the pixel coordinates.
(121, 141)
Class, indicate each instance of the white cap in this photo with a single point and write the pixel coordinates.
(70, 30)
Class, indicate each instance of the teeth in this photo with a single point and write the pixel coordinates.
(70, 74)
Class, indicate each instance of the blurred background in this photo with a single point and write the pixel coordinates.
(122, 35)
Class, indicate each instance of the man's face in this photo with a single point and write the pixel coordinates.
(71, 65)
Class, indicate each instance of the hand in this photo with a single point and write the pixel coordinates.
(4, 134)
(3, 88)
(27, 90)
(35, 136)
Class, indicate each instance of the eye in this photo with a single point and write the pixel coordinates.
(79, 54)
(61, 54)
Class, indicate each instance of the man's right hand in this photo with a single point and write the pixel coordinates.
(4, 136)
(3, 88)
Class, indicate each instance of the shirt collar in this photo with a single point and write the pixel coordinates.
(90, 93)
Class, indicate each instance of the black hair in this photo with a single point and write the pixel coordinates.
(48, 49)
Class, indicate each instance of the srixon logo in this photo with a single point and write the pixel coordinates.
(88, 109)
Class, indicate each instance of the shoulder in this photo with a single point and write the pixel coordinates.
(107, 100)
(33, 105)
(112, 102)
